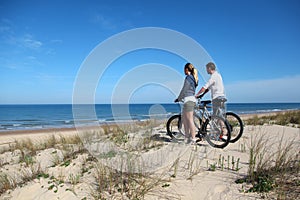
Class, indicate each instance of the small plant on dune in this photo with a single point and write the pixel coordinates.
(6, 182)
(28, 160)
(212, 167)
(43, 175)
(175, 166)
(194, 165)
(255, 120)
(51, 141)
(26, 174)
(55, 184)
(120, 138)
(109, 154)
(74, 179)
(66, 163)
(132, 183)
(266, 165)
(147, 142)
(55, 159)
(237, 168)
(26, 145)
(231, 163)
(242, 147)
(73, 139)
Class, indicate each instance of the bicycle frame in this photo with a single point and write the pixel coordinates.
(203, 111)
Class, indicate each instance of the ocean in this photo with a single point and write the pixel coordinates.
(30, 117)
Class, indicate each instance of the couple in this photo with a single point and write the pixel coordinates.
(187, 95)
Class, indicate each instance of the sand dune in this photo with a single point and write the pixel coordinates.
(182, 171)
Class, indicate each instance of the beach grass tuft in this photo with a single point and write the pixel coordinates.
(272, 164)
(281, 118)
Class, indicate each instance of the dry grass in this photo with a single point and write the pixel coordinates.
(111, 183)
(108, 182)
(282, 118)
(273, 166)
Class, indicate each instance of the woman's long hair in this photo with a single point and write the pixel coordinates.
(193, 71)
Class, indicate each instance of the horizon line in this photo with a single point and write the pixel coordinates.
(141, 103)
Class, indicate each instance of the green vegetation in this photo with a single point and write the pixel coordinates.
(272, 166)
(228, 164)
(282, 118)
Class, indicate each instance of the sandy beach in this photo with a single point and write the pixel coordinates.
(92, 164)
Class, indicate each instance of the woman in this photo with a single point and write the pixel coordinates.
(187, 95)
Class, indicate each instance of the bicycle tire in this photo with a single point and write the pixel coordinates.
(213, 130)
(236, 126)
(175, 128)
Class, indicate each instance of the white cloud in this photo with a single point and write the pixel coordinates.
(8, 36)
(29, 42)
(285, 89)
(26, 41)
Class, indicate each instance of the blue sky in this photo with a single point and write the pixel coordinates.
(255, 44)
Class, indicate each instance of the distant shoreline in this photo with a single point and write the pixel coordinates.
(68, 129)
(59, 117)
(43, 104)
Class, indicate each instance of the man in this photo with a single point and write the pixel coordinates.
(215, 85)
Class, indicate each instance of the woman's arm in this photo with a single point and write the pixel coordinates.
(184, 88)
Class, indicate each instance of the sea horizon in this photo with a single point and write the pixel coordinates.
(45, 116)
(3, 104)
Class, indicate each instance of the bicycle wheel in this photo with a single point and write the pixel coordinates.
(217, 131)
(236, 126)
(175, 127)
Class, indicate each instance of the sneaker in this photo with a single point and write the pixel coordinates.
(193, 141)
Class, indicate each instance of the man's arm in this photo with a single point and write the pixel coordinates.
(202, 92)
(205, 89)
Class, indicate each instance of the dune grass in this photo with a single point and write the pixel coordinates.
(274, 167)
(281, 118)
(105, 182)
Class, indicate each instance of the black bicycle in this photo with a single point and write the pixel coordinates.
(213, 128)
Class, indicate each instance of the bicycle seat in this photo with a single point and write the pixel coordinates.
(205, 102)
(220, 100)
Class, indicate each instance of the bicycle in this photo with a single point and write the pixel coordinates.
(213, 128)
